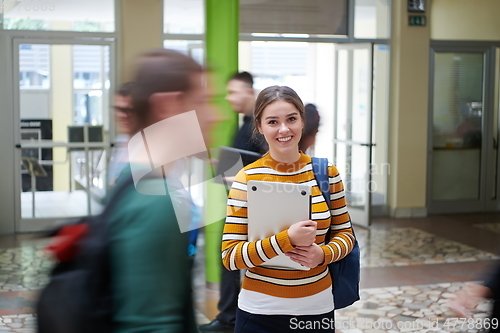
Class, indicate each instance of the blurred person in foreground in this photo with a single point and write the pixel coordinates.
(471, 294)
(241, 97)
(150, 267)
(122, 108)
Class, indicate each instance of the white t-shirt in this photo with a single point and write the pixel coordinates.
(259, 303)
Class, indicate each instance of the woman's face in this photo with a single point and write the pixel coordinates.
(281, 125)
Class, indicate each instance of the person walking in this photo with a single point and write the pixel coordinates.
(150, 265)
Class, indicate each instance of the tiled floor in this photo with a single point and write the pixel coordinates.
(411, 246)
(410, 270)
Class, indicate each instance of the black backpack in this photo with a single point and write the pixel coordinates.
(78, 297)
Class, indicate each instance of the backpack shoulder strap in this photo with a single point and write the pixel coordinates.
(320, 169)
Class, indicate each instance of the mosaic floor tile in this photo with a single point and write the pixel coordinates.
(420, 308)
(22, 323)
(494, 227)
(409, 246)
(24, 268)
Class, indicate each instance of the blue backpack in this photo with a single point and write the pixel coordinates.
(345, 272)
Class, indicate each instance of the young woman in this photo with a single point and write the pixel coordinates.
(275, 299)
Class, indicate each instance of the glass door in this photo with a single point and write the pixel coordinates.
(462, 143)
(64, 129)
(353, 126)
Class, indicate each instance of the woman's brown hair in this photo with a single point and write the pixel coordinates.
(272, 94)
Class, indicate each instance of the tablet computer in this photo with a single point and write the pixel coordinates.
(274, 207)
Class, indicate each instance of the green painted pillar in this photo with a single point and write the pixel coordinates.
(221, 38)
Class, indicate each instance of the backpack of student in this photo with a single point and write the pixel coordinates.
(345, 272)
(78, 297)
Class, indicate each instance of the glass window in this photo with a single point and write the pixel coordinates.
(281, 63)
(62, 15)
(90, 83)
(192, 48)
(34, 66)
(183, 16)
(87, 62)
(372, 19)
(457, 125)
(298, 65)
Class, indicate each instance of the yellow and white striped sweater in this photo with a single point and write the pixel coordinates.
(239, 253)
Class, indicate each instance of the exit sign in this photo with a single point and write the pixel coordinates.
(416, 20)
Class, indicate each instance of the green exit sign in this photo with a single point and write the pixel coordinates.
(416, 20)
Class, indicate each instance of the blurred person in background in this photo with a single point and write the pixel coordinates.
(311, 118)
(150, 268)
(241, 97)
(122, 108)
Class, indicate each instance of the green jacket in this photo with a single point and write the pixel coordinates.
(151, 270)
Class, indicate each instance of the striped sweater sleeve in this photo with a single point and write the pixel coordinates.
(237, 251)
(342, 237)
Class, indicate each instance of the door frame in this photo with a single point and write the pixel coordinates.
(361, 217)
(38, 224)
(484, 202)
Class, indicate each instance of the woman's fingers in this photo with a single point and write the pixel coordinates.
(300, 260)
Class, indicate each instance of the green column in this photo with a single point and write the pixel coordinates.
(221, 38)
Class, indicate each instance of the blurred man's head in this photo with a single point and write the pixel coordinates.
(240, 93)
(168, 83)
(123, 108)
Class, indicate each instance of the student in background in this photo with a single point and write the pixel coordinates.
(311, 117)
(122, 108)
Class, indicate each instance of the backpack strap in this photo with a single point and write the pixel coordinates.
(320, 169)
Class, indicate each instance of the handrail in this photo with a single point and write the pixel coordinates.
(354, 143)
(54, 144)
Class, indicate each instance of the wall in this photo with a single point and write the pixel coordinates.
(408, 114)
(62, 109)
(465, 20)
(140, 25)
(7, 143)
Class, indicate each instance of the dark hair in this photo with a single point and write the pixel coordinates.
(243, 77)
(273, 94)
(125, 89)
(311, 115)
(160, 70)
(311, 119)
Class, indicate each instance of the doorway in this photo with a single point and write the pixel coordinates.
(361, 127)
(463, 159)
(63, 129)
